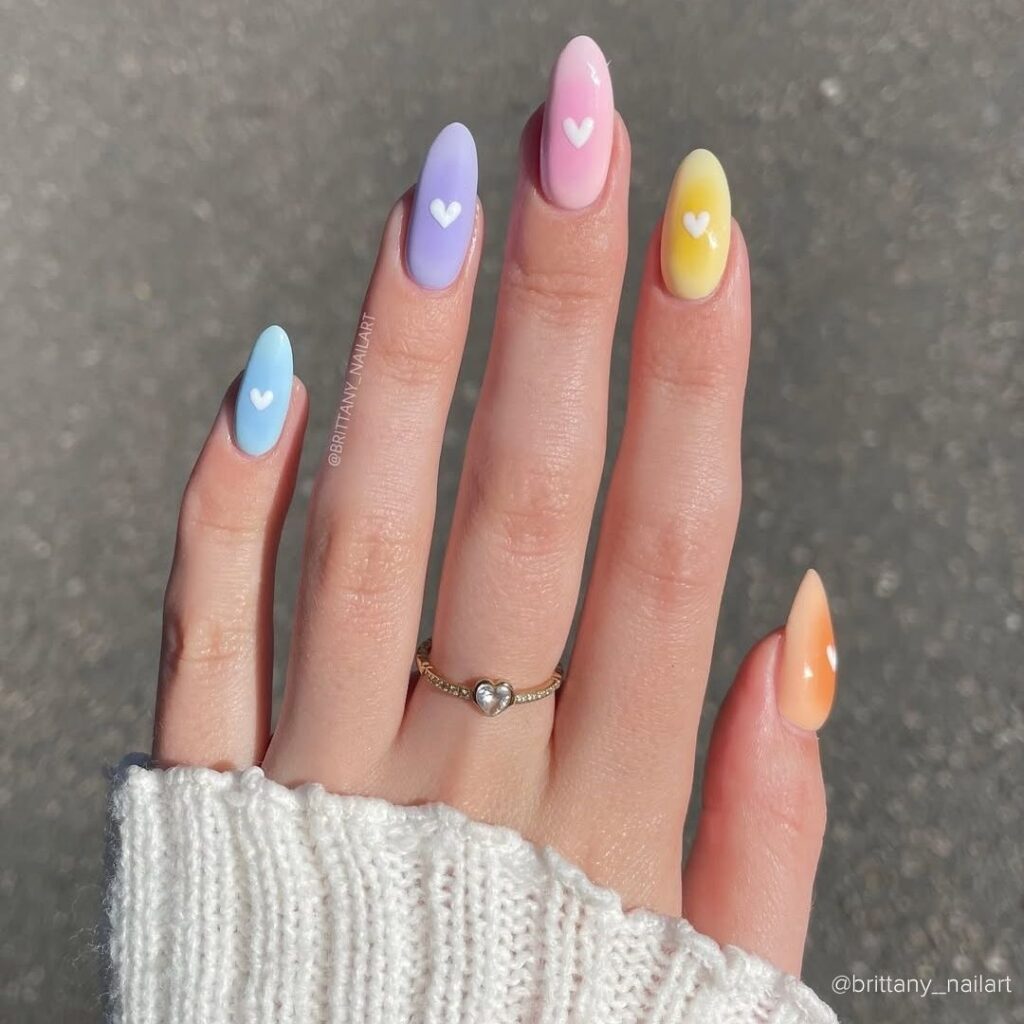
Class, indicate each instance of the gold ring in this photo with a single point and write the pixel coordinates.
(491, 696)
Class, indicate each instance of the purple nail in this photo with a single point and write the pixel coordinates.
(443, 209)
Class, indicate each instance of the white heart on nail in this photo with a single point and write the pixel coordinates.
(578, 132)
(696, 223)
(833, 658)
(445, 215)
(260, 399)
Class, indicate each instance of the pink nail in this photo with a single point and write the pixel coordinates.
(578, 120)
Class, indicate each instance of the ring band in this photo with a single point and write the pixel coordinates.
(491, 696)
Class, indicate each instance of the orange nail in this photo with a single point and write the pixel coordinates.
(807, 679)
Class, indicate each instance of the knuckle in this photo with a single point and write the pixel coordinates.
(417, 354)
(680, 553)
(556, 295)
(364, 563)
(535, 504)
(789, 806)
(195, 642)
(211, 513)
(796, 810)
(703, 369)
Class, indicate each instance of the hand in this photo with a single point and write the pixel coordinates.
(603, 773)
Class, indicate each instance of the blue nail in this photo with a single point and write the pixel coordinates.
(264, 393)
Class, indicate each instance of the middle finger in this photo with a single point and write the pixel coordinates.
(535, 453)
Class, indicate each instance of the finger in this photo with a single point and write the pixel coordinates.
(372, 511)
(535, 453)
(631, 706)
(749, 878)
(216, 663)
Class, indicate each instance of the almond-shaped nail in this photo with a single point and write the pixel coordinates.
(579, 122)
(697, 227)
(264, 393)
(807, 674)
(443, 209)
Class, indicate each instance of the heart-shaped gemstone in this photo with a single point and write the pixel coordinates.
(492, 697)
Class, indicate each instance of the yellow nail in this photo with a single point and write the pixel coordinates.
(697, 226)
(807, 676)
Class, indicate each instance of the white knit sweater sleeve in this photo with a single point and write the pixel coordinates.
(233, 899)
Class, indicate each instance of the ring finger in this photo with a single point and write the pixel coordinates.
(648, 624)
(372, 511)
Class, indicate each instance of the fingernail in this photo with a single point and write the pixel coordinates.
(443, 209)
(697, 226)
(807, 676)
(579, 116)
(264, 393)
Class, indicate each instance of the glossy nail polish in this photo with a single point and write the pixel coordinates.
(443, 209)
(264, 393)
(579, 121)
(807, 674)
(697, 227)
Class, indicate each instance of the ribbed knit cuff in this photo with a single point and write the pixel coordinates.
(232, 899)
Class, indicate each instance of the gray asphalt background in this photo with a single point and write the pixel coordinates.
(175, 176)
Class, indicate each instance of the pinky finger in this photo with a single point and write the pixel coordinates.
(750, 875)
(216, 661)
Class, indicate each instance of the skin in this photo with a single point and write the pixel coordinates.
(604, 773)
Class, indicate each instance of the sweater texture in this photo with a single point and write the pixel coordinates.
(233, 899)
